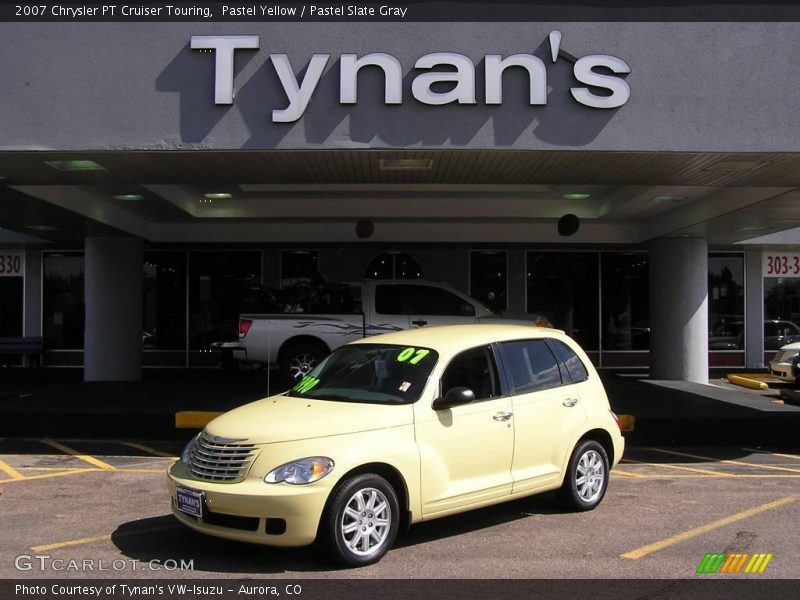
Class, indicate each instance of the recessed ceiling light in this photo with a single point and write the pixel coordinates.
(575, 196)
(218, 196)
(41, 227)
(129, 197)
(406, 164)
(736, 165)
(752, 228)
(667, 199)
(74, 165)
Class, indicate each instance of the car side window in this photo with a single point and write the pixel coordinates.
(474, 369)
(389, 299)
(576, 370)
(427, 300)
(530, 366)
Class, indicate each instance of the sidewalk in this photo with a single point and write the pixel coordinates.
(56, 402)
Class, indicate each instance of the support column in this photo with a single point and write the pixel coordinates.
(754, 310)
(113, 296)
(679, 309)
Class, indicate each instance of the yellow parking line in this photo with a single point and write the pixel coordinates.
(10, 471)
(100, 538)
(48, 475)
(723, 460)
(84, 457)
(792, 456)
(147, 449)
(626, 474)
(682, 537)
(678, 468)
(89, 540)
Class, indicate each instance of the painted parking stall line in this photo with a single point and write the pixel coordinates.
(724, 460)
(77, 454)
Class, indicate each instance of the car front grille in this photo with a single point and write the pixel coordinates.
(220, 459)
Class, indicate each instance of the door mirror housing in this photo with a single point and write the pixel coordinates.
(455, 396)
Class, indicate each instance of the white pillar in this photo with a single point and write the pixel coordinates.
(113, 296)
(754, 310)
(679, 309)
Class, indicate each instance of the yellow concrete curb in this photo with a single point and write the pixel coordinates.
(747, 382)
(626, 422)
(194, 419)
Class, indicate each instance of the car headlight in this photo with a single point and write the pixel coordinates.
(187, 451)
(300, 472)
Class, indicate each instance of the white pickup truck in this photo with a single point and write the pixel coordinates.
(296, 342)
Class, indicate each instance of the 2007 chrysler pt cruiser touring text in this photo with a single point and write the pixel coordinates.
(401, 428)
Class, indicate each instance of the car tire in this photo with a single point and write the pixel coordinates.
(361, 520)
(298, 358)
(586, 479)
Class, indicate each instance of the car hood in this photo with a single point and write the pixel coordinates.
(286, 418)
(793, 346)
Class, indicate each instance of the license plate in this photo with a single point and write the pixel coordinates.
(189, 501)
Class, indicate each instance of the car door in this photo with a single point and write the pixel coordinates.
(547, 412)
(466, 451)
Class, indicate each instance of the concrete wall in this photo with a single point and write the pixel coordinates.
(694, 86)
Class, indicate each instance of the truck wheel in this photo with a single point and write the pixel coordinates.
(298, 359)
(361, 520)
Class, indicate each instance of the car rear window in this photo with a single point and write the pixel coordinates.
(574, 366)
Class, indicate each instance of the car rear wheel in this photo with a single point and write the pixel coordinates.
(586, 480)
(361, 521)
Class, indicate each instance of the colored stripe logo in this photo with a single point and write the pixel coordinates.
(735, 562)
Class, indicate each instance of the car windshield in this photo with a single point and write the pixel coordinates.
(371, 373)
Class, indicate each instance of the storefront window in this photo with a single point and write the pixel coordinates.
(217, 284)
(62, 296)
(164, 306)
(299, 266)
(393, 265)
(626, 301)
(563, 287)
(781, 311)
(11, 306)
(725, 302)
(488, 278)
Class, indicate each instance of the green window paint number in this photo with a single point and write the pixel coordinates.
(306, 383)
(417, 353)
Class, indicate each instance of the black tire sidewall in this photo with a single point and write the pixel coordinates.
(334, 512)
(569, 491)
(292, 350)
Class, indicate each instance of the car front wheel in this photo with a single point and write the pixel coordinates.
(361, 520)
(586, 480)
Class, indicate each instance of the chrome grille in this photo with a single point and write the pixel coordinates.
(220, 459)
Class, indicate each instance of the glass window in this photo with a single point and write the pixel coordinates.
(299, 266)
(626, 301)
(488, 278)
(781, 311)
(217, 281)
(563, 287)
(164, 305)
(427, 300)
(388, 300)
(474, 369)
(373, 373)
(11, 306)
(575, 369)
(530, 366)
(726, 302)
(63, 304)
(393, 265)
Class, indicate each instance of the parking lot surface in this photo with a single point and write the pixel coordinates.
(98, 509)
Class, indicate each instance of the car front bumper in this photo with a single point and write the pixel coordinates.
(781, 370)
(251, 510)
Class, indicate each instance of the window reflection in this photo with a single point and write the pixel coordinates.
(726, 302)
(63, 303)
(626, 301)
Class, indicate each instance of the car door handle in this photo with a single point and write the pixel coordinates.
(570, 402)
(503, 416)
(419, 323)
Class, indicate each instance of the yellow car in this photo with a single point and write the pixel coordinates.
(401, 428)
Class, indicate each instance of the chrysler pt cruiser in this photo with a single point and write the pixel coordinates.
(402, 428)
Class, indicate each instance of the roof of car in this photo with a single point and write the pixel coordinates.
(450, 339)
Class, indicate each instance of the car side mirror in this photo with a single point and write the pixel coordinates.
(455, 396)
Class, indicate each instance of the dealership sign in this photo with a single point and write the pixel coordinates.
(595, 72)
